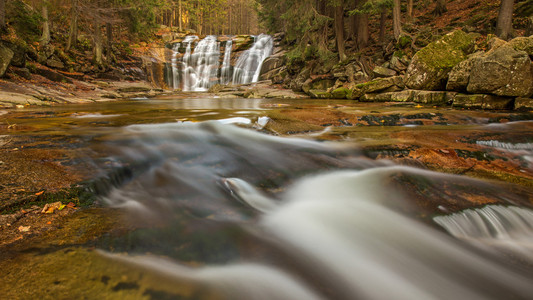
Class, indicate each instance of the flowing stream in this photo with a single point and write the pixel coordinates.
(232, 211)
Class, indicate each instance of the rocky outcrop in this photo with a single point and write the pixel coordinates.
(430, 66)
(503, 71)
(482, 101)
(6, 55)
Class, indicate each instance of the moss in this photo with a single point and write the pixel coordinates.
(448, 51)
(340, 93)
(404, 41)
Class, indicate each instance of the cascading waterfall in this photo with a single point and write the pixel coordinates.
(248, 66)
(200, 68)
(225, 73)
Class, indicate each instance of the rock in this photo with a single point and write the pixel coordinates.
(319, 94)
(482, 101)
(503, 71)
(340, 93)
(22, 72)
(273, 62)
(523, 103)
(397, 64)
(134, 89)
(53, 75)
(430, 66)
(276, 76)
(459, 76)
(6, 55)
(55, 63)
(429, 97)
(19, 54)
(383, 72)
(523, 44)
(242, 42)
(376, 97)
(297, 83)
(382, 84)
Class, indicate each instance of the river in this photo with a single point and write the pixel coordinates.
(205, 198)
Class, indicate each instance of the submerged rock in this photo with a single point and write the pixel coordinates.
(430, 66)
(483, 101)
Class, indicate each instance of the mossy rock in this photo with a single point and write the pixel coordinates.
(319, 94)
(404, 41)
(340, 93)
(523, 44)
(430, 66)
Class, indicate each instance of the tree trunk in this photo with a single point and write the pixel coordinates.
(45, 38)
(504, 26)
(98, 45)
(73, 32)
(440, 8)
(409, 10)
(321, 7)
(339, 29)
(109, 41)
(382, 25)
(396, 21)
(2, 14)
(362, 31)
(180, 25)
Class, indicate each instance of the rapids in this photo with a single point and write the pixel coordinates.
(352, 231)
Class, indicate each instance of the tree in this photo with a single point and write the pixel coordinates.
(409, 10)
(396, 20)
(73, 31)
(338, 7)
(45, 38)
(504, 25)
(440, 8)
(2, 14)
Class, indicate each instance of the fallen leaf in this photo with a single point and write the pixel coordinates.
(24, 228)
(39, 193)
(61, 207)
(51, 207)
(49, 222)
(71, 205)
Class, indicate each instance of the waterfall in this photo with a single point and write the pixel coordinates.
(225, 74)
(200, 69)
(507, 229)
(249, 63)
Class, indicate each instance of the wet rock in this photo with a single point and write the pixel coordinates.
(134, 89)
(429, 97)
(523, 103)
(276, 75)
(273, 62)
(6, 55)
(482, 101)
(430, 66)
(502, 71)
(319, 94)
(383, 72)
(376, 97)
(242, 42)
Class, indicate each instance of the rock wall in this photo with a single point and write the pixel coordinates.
(448, 71)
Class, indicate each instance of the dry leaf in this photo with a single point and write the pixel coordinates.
(51, 207)
(39, 193)
(24, 228)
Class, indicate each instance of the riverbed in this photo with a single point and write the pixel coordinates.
(201, 197)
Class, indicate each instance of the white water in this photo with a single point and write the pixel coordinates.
(508, 229)
(225, 72)
(249, 64)
(348, 234)
(200, 69)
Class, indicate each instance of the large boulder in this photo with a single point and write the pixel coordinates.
(388, 84)
(430, 66)
(503, 71)
(6, 55)
(273, 62)
(523, 44)
(459, 76)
